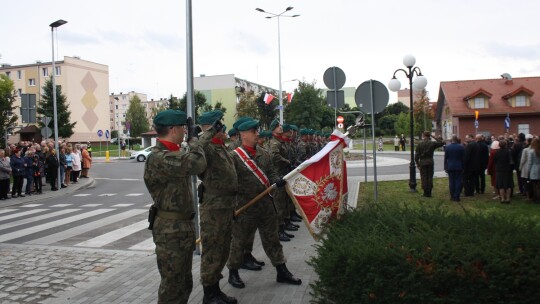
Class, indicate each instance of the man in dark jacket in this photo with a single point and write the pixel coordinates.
(516, 155)
(453, 165)
(483, 154)
(471, 164)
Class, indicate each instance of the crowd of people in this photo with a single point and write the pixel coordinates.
(499, 157)
(27, 163)
(231, 176)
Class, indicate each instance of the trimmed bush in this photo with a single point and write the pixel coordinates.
(392, 254)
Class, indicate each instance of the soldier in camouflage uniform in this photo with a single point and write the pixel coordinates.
(218, 202)
(261, 215)
(424, 161)
(233, 136)
(167, 175)
(303, 146)
(280, 153)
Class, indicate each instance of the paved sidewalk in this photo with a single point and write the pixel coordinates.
(138, 280)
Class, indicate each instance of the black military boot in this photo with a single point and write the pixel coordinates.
(288, 235)
(211, 295)
(295, 217)
(249, 263)
(290, 226)
(235, 280)
(225, 298)
(285, 276)
(282, 236)
(260, 263)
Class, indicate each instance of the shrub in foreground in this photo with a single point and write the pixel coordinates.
(391, 254)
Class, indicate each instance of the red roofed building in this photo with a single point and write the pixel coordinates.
(495, 100)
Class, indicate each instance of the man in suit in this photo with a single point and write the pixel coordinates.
(453, 165)
(471, 162)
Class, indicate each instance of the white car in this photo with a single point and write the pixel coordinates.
(141, 156)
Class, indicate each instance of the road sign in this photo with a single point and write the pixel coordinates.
(128, 125)
(507, 122)
(334, 78)
(46, 132)
(476, 124)
(99, 133)
(340, 125)
(107, 134)
(340, 119)
(368, 90)
(331, 99)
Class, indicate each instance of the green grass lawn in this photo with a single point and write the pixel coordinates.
(113, 150)
(398, 192)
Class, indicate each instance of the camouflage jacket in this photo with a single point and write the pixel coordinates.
(280, 156)
(234, 144)
(303, 152)
(250, 186)
(219, 178)
(424, 151)
(167, 176)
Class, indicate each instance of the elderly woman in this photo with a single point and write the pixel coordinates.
(503, 169)
(534, 168)
(18, 171)
(86, 161)
(491, 167)
(52, 169)
(5, 173)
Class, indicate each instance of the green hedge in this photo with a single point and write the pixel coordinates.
(391, 254)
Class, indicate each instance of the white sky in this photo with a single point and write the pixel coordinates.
(143, 42)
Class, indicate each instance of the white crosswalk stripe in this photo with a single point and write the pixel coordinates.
(83, 194)
(66, 234)
(107, 194)
(38, 228)
(31, 205)
(91, 205)
(147, 244)
(115, 235)
(122, 205)
(35, 218)
(61, 205)
(135, 194)
(7, 210)
(20, 214)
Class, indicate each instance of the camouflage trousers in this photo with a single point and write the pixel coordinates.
(174, 254)
(216, 234)
(283, 203)
(426, 176)
(243, 232)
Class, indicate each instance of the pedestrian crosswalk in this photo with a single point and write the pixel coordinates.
(119, 227)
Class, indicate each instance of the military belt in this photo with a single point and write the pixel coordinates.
(169, 215)
(219, 192)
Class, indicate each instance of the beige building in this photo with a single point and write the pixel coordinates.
(85, 85)
(119, 105)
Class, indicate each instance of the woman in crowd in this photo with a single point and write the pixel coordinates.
(18, 171)
(38, 172)
(5, 173)
(52, 169)
(491, 168)
(63, 165)
(29, 170)
(86, 161)
(69, 165)
(503, 169)
(76, 155)
(534, 168)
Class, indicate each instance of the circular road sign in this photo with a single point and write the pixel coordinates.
(340, 119)
(363, 96)
(99, 133)
(107, 134)
(334, 78)
(340, 125)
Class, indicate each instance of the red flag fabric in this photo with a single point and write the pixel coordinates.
(290, 96)
(268, 98)
(318, 187)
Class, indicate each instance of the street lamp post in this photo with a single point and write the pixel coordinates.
(54, 25)
(419, 83)
(272, 15)
(117, 125)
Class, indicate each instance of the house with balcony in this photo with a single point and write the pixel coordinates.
(489, 106)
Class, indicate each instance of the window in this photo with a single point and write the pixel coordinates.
(58, 71)
(116, 107)
(479, 102)
(31, 82)
(20, 92)
(523, 128)
(19, 74)
(45, 72)
(521, 101)
(7, 74)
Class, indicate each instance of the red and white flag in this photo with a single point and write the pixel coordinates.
(290, 96)
(268, 98)
(318, 186)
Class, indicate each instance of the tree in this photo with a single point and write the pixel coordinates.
(7, 99)
(422, 113)
(45, 109)
(307, 108)
(402, 124)
(247, 106)
(200, 102)
(387, 124)
(136, 116)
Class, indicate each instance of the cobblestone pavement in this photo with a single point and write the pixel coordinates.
(31, 274)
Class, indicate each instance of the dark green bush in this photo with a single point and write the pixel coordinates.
(391, 254)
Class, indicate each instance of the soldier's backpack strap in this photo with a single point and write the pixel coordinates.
(252, 166)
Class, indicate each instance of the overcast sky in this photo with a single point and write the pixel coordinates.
(143, 42)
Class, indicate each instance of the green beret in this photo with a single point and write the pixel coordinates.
(294, 128)
(224, 128)
(232, 132)
(304, 132)
(241, 120)
(269, 134)
(170, 118)
(248, 125)
(286, 127)
(274, 124)
(209, 118)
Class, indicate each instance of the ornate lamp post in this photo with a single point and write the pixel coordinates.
(272, 15)
(419, 83)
